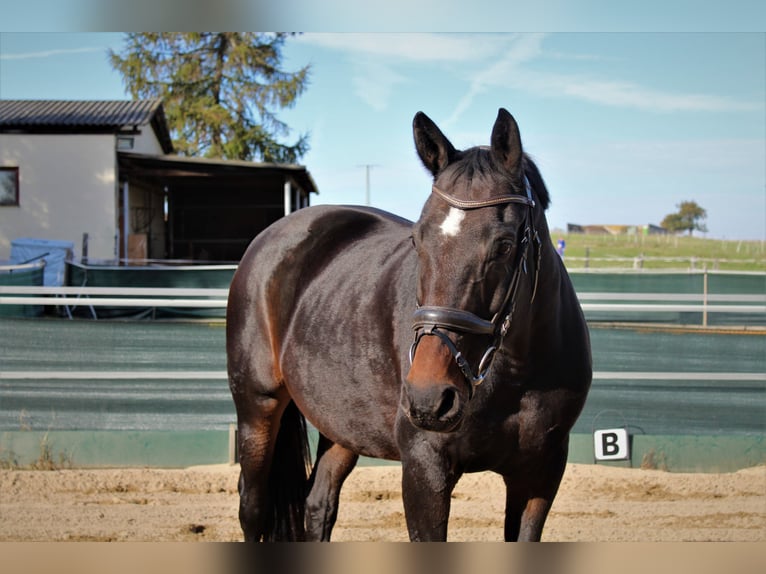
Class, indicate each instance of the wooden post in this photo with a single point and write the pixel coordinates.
(233, 450)
(704, 296)
(125, 218)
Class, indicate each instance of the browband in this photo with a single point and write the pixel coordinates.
(479, 203)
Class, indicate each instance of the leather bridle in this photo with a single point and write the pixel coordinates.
(438, 321)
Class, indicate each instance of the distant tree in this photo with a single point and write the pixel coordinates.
(219, 91)
(689, 217)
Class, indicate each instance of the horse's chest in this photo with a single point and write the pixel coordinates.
(500, 440)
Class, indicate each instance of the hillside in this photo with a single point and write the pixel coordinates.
(661, 252)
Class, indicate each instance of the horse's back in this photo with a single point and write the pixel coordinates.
(291, 253)
(313, 234)
(317, 307)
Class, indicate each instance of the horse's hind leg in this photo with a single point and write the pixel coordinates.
(258, 425)
(334, 464)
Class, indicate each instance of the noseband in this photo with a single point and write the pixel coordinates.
(437, 321)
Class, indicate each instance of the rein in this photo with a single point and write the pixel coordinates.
(434, 320)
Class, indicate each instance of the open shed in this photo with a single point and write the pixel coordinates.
(205, 209)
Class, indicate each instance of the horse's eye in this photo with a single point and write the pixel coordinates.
(502, 248)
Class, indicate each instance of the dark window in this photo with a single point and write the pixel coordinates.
(9, 186)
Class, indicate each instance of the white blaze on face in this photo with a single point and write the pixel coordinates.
(451, 225)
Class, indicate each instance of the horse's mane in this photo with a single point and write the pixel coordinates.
(476, 164)
(536, 181)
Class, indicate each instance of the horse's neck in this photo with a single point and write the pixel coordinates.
(537, 303)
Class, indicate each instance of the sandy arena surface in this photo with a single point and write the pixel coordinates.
(595, 503)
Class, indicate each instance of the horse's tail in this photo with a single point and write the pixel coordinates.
(288, 479)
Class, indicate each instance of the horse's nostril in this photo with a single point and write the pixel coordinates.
(434, 407)
(447, 403)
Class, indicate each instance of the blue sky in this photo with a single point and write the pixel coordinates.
(623, 126)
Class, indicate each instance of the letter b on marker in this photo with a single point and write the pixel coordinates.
(611, 444)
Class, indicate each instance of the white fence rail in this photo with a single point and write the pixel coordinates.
(134, 375)
(134, 297)
(152, 297)
(185, 297)
(677, 302)
(114, 296)
(639, 262)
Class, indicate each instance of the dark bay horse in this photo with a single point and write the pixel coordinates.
(455, 344)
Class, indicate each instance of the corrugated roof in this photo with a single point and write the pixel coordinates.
(72, 116)
(95, 113)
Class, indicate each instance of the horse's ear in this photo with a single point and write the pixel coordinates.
(434, 149)
(506, 141)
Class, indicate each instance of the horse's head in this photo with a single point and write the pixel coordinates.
(477, 247)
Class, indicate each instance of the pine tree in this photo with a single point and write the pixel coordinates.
(219, 91)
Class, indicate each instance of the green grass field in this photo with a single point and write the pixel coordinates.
(661, 252)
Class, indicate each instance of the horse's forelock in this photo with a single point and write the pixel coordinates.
(475, 175)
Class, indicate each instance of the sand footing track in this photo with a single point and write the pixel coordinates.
(595, 503)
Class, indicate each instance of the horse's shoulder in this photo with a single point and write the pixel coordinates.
(331, 227)
(316, 234)
(351, 217)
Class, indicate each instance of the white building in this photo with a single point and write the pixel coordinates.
(59, 168)
(106, 169)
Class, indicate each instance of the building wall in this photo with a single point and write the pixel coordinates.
(146, 142)
(67, 187)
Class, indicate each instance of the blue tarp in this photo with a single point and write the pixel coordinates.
(55, 253)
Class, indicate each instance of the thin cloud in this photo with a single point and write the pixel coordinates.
(629, 95)
(411, 47)
(374, 83)
(676, 159)
(375, 57)
(50, 53)
(575, 57)
(519, 50)
(513, 72)
(511, 58)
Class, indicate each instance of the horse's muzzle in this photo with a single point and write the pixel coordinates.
(437, 408)
(434, 393)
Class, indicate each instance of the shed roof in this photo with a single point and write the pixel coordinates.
(84, 116)
(180, 166)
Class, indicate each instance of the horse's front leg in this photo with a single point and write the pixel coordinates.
(525, 517)
(527, 504)
(427, 484)
(334, 464)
